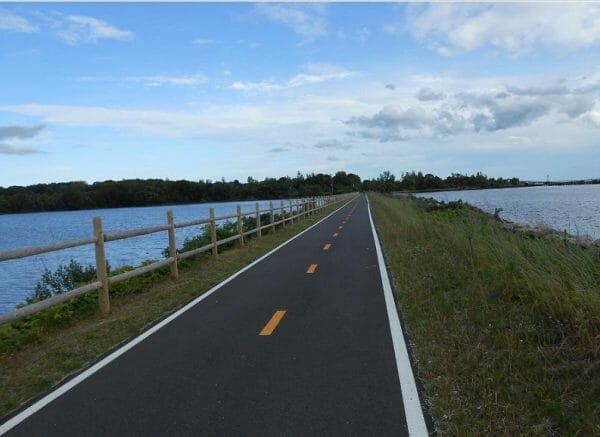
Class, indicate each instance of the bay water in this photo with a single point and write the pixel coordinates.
(19, 277)
(574, 208)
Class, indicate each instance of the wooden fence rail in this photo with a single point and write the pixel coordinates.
(297, 210)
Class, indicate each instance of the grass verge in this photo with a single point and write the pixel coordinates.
(40, 351)
(505, 328)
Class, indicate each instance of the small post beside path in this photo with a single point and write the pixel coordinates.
(258, 220)
(240, 224)
(282, 215)
(291, 212)
(272, 217)
(213, 233)
(101, 273)
(172, 245)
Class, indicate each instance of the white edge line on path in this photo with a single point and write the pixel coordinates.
(32, 409)
(410, 396)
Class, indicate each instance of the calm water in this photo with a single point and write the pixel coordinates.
(574, 208)
(18, 277)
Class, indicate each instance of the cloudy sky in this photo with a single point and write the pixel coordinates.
(205, 91)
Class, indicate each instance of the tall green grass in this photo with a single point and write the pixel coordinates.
(505, 328)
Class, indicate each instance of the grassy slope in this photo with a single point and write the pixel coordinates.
(34, 359)
(505, 328)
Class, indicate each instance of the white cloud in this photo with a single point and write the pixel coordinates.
(457, 28)
(320, 72)
(17, 150)
(256, 86)
(593, 117)
(222, 122)
(152, 80)
(427, 95)
(332, 144)
(313, 73)
(156, 81)
(497, 113)
(484, 112)
(519, 140)
(267, 125)
(363, 34)
(306, 21)
(15, 23)
(75, 29)
(204, 41)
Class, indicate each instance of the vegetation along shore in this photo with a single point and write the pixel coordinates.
(504, 326)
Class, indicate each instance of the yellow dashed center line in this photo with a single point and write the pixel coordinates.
(327, 246)
(312, 268)
(272, 324)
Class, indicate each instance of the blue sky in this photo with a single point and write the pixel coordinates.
(209, 91)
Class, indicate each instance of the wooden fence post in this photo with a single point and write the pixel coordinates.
(282, 215)
(101, 273)
(291, 212)
(240, 225)
(172, 245)
(258, 221)
(298, 213)
(213, 233)
(272, 217)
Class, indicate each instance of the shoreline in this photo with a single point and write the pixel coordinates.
(546, 232)
(522, 185)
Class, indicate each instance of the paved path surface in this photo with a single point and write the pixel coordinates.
(276, 351)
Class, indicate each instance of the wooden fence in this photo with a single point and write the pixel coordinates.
(294, 210)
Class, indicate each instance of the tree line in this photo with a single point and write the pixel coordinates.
(417, 181)
(148, 192)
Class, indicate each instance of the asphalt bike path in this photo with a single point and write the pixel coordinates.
(298, 344)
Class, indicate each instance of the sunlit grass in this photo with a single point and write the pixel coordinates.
(505, 328)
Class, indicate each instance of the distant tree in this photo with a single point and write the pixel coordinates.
(386, 181)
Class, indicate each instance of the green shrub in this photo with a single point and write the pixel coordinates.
(224, 230)
(63, 279)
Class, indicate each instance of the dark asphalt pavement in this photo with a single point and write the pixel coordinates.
(328, 368)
